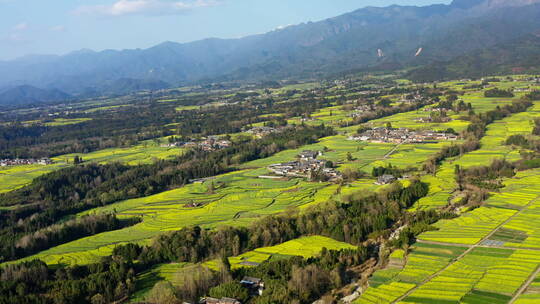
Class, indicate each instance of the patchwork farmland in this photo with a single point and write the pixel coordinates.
(495, 249)
(486, 252)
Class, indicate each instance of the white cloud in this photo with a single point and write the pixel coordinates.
(144, 7)
(15, 38)
(17, 34)
(21, 27)
(282, 27)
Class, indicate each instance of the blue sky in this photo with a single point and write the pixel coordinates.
(61, 26)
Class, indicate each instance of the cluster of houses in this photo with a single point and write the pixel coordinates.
(385, 179)
(20, 162)
(262, 131)
(525, 89)
(435, 109)
(412, 98)
(358, 111)
(434, 119)
(255, 287)
(531, 79)
(369, 92)
(211, 143)
(391, 135)
(306, 166)
(209, 300)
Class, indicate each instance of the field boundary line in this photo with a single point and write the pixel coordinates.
(526, 285)
(393, 150)
(452, 262)
(480, 246)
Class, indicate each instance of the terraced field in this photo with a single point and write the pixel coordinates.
(424, 261)
(244, 198)
(143, 153)
(499, 253)
(14, 177)
(492, 147)
(305, 247)
(531, 294)
(493, 143)
(469, 228)
(409, 120)
(66, 121)
(149, 278)
(522, 231)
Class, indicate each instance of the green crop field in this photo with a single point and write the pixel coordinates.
(522, 230)
(305, 247)
(408, 120)
(301, 86)
(14, 177)
(440, 187)
(244, 198)
(330, 116)
(187, 108)
(493, 143)
(470, 227)
(105, 108)
(66, 121)
(492, 147)
(485, 274)
(531, 294)
(143, 153)
(423, 261)
(510, 218)
(149, 278)
(473, 226)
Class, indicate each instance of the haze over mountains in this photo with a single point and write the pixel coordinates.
(435, 33)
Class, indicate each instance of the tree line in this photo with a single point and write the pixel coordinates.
(68, 231)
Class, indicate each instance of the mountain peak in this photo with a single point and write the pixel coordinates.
(503, 3)
(82, 52)
(466, 4)
(27, 94)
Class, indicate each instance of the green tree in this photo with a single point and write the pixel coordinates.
(98, 299)
(162, 293)
(230, 290)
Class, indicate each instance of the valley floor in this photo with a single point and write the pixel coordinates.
(490, 254)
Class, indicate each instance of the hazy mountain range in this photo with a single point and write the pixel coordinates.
(394, 36)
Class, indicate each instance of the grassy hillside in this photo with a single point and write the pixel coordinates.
(519, 56)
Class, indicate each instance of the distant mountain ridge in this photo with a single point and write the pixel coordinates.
(517, 56)
(25, 94)
(434, 33)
